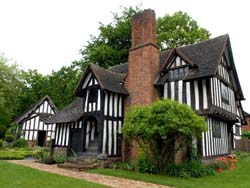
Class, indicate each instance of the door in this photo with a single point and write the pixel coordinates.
(41, 138)
(75, 140)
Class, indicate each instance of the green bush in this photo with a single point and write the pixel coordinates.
(20, 143)
(9, 138)
(59, 158)
(246, 135)
(124, 166)
(44, 156)
(241, 154)
(1, 143)
(194, 169)
(145, 165)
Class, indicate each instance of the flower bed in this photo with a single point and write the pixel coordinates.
(225, 163)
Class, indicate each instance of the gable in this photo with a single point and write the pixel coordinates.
(106, 79)
(89, 81)
(45, 108)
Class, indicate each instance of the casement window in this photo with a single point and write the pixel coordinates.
(224, 93)
(93, 94)
(216, 129)
(177, 74)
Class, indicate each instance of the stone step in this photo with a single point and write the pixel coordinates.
(77, 167)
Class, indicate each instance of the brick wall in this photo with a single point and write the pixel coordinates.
(143, 66)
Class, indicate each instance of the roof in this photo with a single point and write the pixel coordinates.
(206, 55)
(71, 112)
(107, 80)
(33, 108)
(121, 68)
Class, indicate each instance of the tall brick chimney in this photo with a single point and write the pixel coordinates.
(144, 60)
(143, 68)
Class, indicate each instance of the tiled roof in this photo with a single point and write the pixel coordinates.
(71, 112)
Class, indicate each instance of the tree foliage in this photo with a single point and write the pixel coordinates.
(10, 84)
(111, 46)
(165, 126)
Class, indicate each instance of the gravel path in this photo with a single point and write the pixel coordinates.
(101, 179)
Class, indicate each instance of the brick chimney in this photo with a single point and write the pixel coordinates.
(144, 60)
(143, 68)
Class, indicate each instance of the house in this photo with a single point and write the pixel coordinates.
(31, 126)
(246, 125)
(202, 76)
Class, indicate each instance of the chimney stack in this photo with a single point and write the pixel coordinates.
(144, 60)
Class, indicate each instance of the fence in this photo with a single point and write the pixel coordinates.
(242, 145)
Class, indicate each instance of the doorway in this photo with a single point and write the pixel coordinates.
(75, 140)
(41, 138)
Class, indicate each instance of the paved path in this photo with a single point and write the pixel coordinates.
(101, 179)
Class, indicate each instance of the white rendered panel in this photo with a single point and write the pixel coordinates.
(111, 104)
(110, 137)
(99, 100)
(204, 92)
(120, 127)
(104, 137)
(115, 105)
(115, 137)
(165, 93)
(180, 87)
(120, 106)
(87, 134)
(172, 90)
(67, 134)
(106, 104)
(188, 94)
(86, 102)
(86, 81)
(196, 94)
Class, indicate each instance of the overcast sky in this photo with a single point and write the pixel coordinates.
(47, 34)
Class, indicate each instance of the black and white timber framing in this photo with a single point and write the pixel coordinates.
(31, 124)
(202, 76)
(210, 96)
(101, 115)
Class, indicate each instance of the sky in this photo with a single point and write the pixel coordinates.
(48, 34)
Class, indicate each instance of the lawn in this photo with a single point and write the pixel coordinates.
(15, 176)
(240, 177)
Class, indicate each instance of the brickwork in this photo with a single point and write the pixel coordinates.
(143, 66)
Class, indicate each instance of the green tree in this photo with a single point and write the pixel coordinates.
(10, 88)
(165, 127)
(111, 46)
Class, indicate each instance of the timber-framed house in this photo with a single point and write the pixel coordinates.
(202, 76)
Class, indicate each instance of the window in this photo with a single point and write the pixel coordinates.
(216, 130)
(177, 74)
(224, 93)
(93, 95)
(237, 130)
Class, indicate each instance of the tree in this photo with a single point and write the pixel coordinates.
(111, 46)
(165, 127)
(10, 88)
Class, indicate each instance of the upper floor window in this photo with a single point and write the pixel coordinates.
(93, 94)
(224, 93)
(177, 74)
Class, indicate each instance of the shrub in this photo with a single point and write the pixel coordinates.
(124, 166)
(144, 165)
(9, 138)
(59, 158)
(1, 143)
(246, 135)
(241, 154)
(194, 169)
(44, 156)
(20, 143)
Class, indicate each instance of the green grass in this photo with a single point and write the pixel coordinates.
(17, 153)
(16, 176)
(240, 178)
